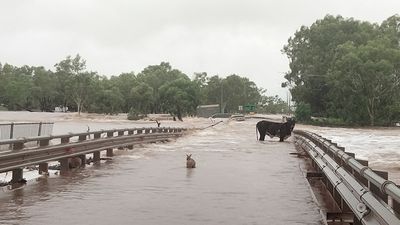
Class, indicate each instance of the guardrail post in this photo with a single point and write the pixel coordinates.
(64, 166)
(147, 131)
(64, 162)
(83, 157)
(130, 132)
(12, 130)
(40, 129)
(82, 137)
(17, 174)
(140, 131)
(96, 155)
(44, 167)
(65, 140)
(110, 152)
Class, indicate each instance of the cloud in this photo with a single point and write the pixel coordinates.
(216, 36)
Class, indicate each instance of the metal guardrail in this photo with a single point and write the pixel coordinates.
(63, 147)
(345, 175)
(21, 129)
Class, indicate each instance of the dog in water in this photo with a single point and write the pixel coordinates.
(190, 163)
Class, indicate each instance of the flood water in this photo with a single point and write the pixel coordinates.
(380, 146)
(238, 180)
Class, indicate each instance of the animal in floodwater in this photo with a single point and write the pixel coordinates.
(75, 162)
(190, 163)
(274, 129)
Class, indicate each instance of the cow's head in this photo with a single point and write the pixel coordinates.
(291, 122)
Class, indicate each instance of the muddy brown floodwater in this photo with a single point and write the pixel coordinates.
(238, 180)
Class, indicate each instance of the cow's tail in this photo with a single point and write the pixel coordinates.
(256, 134)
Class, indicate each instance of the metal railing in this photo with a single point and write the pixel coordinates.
(362, 189)
(23, 129)
(52, 148)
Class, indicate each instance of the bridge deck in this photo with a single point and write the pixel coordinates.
(238, 180)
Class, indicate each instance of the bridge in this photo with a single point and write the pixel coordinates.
(362, 195)
(346, 189)
(32, 151)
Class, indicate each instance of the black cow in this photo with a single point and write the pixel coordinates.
(275, 129)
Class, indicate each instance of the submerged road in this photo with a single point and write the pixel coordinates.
(238, 180)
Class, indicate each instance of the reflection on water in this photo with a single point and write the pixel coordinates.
(238, 180)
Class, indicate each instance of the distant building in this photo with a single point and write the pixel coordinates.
(207, 110)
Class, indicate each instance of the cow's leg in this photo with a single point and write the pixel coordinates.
(262, 134)
(281, 135)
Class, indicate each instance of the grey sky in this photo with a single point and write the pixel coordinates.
(220, 37)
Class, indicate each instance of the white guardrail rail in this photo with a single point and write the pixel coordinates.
(372, 198)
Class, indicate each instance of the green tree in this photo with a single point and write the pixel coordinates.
(200, 80)
(214, 91)
(157, 75)
(273, 105)
(142, 97)
(371, 74)
(44, 89)
(179, 97)
(239, 91)
(303, 112)
(312, 52)
(16, 87)
(73, 82)
(347, 69)
(124, 82)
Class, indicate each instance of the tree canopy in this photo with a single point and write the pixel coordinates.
(347, 69)
(156, 89)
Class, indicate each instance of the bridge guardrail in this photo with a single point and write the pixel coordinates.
(19, 143)
(64, 147)
(352, 180)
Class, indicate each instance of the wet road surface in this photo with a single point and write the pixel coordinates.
(238, 180)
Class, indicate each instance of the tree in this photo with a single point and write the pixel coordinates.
(200, 80)
(303, 112)
(73, 82)
(371, 74)
(239, 91)
(214, 91)
(311, 54)
(81, 84)
(157, 75)
(124, 82)
(347, 69)
(16, 87)
(179, 97)
(142, 97)
(273, 105)
(44, 89)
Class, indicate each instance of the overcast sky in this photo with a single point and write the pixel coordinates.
(220, 37)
